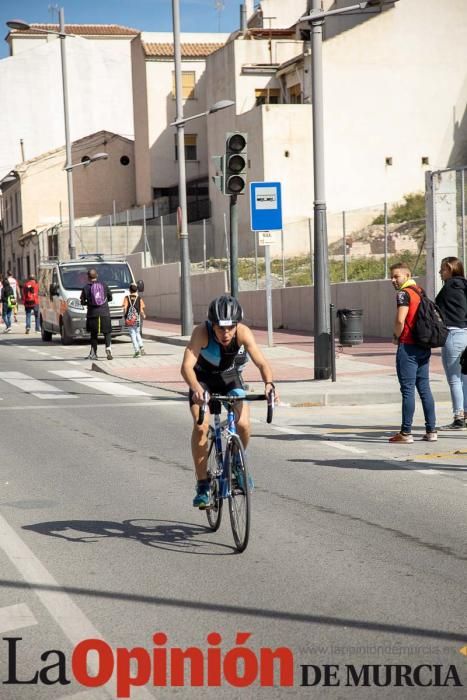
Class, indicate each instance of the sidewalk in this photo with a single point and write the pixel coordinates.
(365, 374)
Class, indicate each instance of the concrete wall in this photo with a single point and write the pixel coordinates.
(155, 88)
(283, 14)
(140, 116)
(100, 95)
(293, 306)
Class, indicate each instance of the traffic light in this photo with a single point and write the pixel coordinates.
(235, 163)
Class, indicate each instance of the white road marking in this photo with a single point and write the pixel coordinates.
(36, 387)
(345, 448)
(121, 404)
(288, 430)
(107, 387)
(14, 617)
(427, 471)
(69, 617)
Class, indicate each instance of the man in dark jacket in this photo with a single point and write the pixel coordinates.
(95, 296)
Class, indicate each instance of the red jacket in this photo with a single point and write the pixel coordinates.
(30, 293)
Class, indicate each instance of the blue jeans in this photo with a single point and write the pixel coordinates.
(135, 336)
(450, 353)
(35, 311)
(6, 315)
(412, 364)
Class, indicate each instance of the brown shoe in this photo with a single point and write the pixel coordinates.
(401, 437)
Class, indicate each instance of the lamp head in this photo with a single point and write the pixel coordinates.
(222, 104)
(17, 24)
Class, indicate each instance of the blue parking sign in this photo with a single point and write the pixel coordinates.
(265, 206)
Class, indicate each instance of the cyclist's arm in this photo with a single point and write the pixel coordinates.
(197, 341)
(247, 339)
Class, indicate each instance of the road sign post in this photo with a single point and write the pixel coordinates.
(265, 218)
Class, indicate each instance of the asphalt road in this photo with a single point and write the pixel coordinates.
(357, 554)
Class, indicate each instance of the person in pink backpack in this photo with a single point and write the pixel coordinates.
(96, 296)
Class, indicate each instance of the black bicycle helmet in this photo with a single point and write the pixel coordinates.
(225, 311)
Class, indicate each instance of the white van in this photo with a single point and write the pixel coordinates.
(60, 285)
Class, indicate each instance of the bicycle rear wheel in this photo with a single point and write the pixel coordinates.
(214, 510)
(239, 501)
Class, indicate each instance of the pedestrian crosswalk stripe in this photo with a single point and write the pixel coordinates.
(36, 387)
(106, 386)
(13, 617)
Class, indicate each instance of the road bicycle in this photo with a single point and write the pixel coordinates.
(227, 466)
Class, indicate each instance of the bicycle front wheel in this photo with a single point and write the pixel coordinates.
(239, 501)
(214, 510)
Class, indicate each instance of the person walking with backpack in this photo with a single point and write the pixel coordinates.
(133, 311)
(31, 302)
(452, 302)
(8, 301)
(412, 360)
(15, 287)
(96, 296)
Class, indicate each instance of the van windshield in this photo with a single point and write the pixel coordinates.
(115, 275)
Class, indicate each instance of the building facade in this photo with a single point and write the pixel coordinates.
(34, 201)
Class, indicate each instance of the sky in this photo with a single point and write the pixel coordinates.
(145, 15)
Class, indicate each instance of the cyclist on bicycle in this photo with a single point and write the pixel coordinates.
(213, 361)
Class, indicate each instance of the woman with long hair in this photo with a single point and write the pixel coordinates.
(452, 302)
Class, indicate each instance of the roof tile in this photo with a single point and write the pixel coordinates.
(188, 50)
(81, 29)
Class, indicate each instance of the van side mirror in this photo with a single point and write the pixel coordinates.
(53, 289)
(140, 285)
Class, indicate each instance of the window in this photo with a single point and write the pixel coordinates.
(188, 84)
(191, 151)
(267, 96)
(52, 245)
(16, 207)
(295, 94)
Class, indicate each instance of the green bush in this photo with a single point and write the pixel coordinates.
(412, 209)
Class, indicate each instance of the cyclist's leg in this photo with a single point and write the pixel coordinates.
(199, 441)
(235, 387)
(242, 417)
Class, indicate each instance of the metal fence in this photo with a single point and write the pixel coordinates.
(362, 243)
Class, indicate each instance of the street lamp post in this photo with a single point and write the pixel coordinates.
(18, 24)
(186, 308)
(322, 289)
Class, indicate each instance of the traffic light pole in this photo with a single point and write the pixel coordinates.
(233, 245)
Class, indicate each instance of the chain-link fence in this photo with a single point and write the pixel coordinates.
(363, 243)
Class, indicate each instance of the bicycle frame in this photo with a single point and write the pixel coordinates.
(223, 428)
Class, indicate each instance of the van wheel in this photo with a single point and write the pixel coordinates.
(45, 335)
(66, 340)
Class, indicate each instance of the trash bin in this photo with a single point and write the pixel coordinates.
(350, 326)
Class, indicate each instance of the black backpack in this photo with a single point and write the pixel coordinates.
(429, 329)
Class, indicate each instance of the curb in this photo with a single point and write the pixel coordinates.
(305, 399)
